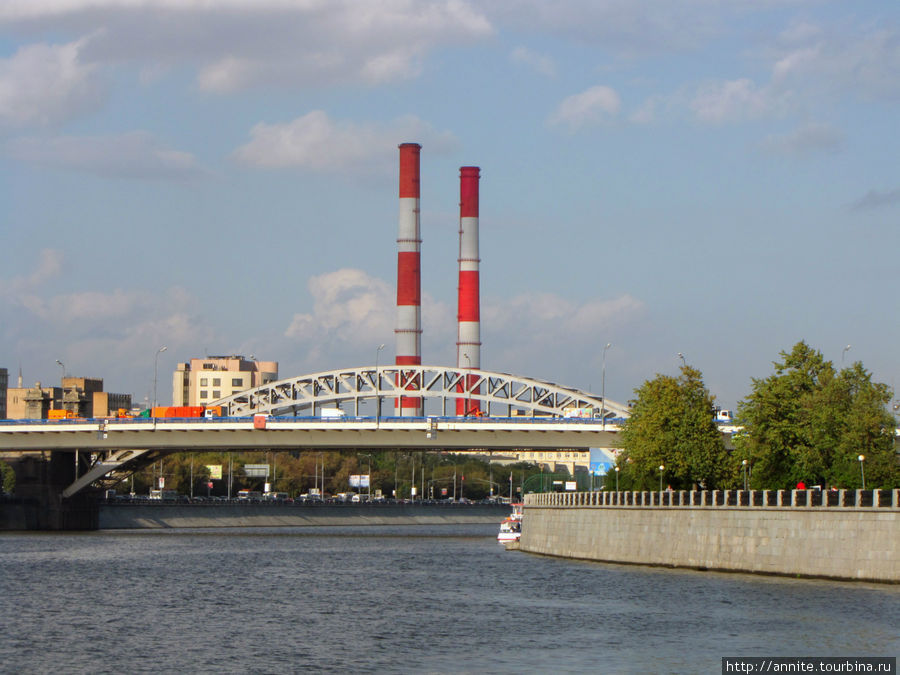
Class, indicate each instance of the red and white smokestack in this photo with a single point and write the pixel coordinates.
(409, 313)
(468, 342)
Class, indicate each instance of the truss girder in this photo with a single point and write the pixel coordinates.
(312, 392)
(108, 468)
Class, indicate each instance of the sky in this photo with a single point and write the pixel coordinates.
(712, 178)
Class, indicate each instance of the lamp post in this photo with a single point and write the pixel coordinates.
(63, 366)
(156, 371)
(844, 351)
(617, 479)
(661, 469)
(466, 381)
(369, 475)
(683, 362)
(862, 471)
(744, 467)
(377, 387)
(603, 390)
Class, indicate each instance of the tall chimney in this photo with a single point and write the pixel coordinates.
(468, 341)
(409, 282)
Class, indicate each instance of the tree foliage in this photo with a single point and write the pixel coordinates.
(809, 422)
(672, 425)
(7, 478)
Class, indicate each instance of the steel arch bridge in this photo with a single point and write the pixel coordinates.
(499, 393)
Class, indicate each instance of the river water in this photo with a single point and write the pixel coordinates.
(445, 599)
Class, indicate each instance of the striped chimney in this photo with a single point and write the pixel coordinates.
(468, 342)
(409, 313)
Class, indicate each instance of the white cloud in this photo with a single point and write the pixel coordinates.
(353, 312)
(807, 65)
(864, 61)
(624, 26)
(592, 106)
(539, 62)
(48, 266)
(237, 44)
(45, 84)
(111, 330)
(350, 310)
(131, 155)
(318, 143)
(741, 99)
(807, 140)
(544, 332)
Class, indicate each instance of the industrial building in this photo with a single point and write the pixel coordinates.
(79, 396)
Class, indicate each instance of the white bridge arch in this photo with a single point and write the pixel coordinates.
(500, 394)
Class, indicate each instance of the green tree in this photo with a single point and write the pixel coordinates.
(809, 422)
(7, 478)
(672, 425)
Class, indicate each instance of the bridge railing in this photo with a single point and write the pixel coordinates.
(724, 499)
(275, 419)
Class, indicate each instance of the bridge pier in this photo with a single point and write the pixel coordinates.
(41, 477)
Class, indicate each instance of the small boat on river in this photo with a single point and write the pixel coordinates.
(511, 527)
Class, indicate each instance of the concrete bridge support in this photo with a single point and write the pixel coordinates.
(41, 477)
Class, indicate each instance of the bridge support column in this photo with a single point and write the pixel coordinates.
(40, 479)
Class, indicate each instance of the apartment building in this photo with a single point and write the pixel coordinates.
(202, 381)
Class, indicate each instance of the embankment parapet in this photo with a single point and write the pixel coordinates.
(852, 535)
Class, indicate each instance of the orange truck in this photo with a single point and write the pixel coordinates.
(60, 415)
(187, 411)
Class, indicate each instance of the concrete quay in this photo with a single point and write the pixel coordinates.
(846, 534)
(154, 516)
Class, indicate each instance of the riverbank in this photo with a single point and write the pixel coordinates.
(144, 516)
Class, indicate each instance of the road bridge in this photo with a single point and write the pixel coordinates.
(536, 415)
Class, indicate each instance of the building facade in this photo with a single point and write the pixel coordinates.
(81, 396)
(203, 381)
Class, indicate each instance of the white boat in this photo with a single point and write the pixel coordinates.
(511, 527)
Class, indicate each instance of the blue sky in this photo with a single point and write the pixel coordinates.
(713, 178)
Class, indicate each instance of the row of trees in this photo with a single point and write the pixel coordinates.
(440, 474)
(806, 422)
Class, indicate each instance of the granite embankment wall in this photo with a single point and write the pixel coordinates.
(137, 516)
(841, 535)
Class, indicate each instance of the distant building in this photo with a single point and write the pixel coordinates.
(202, 381)
(32, 403)
(82, 396)
(4, 384)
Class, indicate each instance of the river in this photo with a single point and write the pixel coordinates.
(399, 599)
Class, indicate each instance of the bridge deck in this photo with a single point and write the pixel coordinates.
(308, 433)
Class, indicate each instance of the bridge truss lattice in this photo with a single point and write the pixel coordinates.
(500, 394)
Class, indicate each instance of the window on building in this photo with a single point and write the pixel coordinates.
(237, 382)
(204, 394)
(204, 381)
(217, 394)
(217, 381)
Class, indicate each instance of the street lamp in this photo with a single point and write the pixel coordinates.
(63, 366)
(661, 469)
(683, 362)
(603, 389)
(377, 387)
(156, 371)
(862, 471)
(369, 475)
(466, 381)
(744, 466)
(617, 479)
(844, 351)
